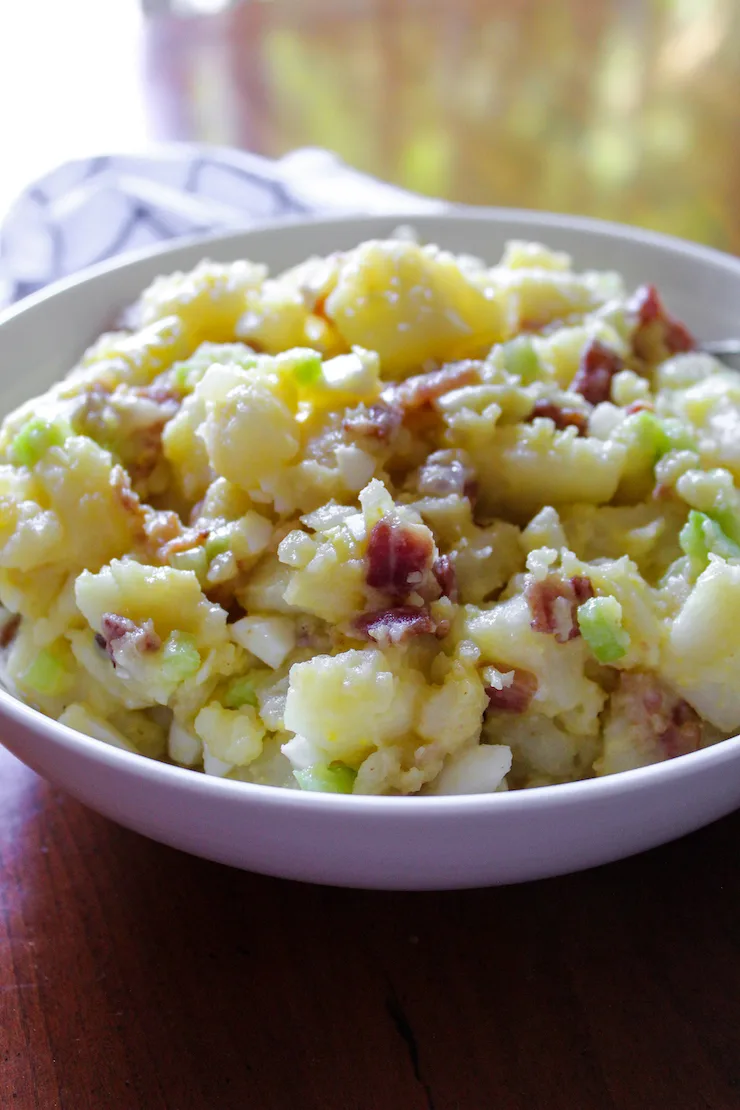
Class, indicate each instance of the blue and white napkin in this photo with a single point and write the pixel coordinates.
(94, 208)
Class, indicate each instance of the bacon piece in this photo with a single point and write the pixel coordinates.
(639, 406)
(398, 555)
(190, 537)
(562, 417)
(683, 732)
(396, 625)
(554, 601)
(662, 724)
(442, 475)
(598, 366)
(655, 325)
(9, 629)
(443, 570)
(161, 526)
(166, 399)
(582, 588)
(129, 500)
(516, 697)
(117, 632)
(376, 422)
(423, 389)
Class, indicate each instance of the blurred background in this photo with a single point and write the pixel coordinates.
(626, 109)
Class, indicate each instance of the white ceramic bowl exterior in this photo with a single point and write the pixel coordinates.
(392, 843)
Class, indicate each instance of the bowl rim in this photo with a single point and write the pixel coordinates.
(157, 772)
(607, 229)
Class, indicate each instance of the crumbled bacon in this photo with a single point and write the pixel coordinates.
(582, 588)
(398, 556)
(639, 406)
(397, 625)
(554, 601)
(117, 631)
(663, 724)
(443, 570)
(190, 537)
(375, 421)
(442, 475)
(162, 526)
(598, 366)
(516, 697)
(127, 498)
(655, 325)
(683, 732)
(561, 416)
(9, 629)
(120, 483)
(167, 400)
(423, 389)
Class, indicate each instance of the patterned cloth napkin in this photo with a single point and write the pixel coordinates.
(92, 209)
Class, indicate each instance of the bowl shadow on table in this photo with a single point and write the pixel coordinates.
(226, 985)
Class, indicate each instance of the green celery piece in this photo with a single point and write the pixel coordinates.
(308, 370)
(218, 542)
(47, 675)
(333, 778)
(702, 536)
(186, 375)
(728, 521)
(34, 440)
(600, 622)
(648, 433)
(521, 358)
(194, 559)
(180, 658)
(654, 436)
(240, 691)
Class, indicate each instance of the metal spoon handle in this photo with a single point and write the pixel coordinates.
(721, 348)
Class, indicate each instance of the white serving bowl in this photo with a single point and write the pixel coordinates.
(392, 843)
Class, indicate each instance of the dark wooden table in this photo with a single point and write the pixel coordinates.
(133, 977)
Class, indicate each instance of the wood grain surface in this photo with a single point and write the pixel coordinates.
(133, 977)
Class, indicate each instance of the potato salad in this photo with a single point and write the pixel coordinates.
(394, 521)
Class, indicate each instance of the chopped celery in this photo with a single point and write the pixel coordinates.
(521, 358)
(240, 691)
(194, 559)
(332, 779)
(218, 542)
(648, 432)
(48, 674)
(186, 375)
(728, 521)
(307, 369)
(180, 657)
(34, 440)
(655, 436)
(600, 622)
(700, 536)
